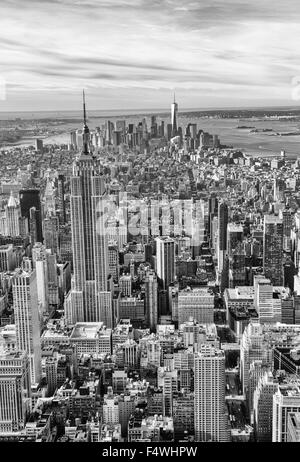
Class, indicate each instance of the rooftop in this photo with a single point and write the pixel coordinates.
(234, 228)
(240, 292)
(12, 355)
(196, 291)
(88, 330)
(272, 219)
(290, 390)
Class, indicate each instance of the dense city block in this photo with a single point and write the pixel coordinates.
(149, 287)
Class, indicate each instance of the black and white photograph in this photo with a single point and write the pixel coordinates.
(149, 225)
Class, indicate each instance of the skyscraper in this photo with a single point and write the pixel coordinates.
(212, 212)
(73, 139)
(39, 145)
(263, 406)
(209, 386)
(33, 231)
(14, 391)
(42, 283)
(253, 347)
(27, 320)
(236, 255)
(285, 401)
(174, 110)
(90, 298)
(61, 198)
(273, 249)
(151, 305)
(12, 213)
(49, 198)
(51, 224)
(222, 231)
(267, 306)
(31, 198)
(165, 254)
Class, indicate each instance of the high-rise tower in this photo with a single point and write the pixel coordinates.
(222, 231)
(30, 198)
(151, 287)
(273, 249)
(174, 110)
(209, 383)
(61, 198)
(90, 298)
(13, 214)
(236, 255)
(14, 390)
(165, 252)
(27, 320)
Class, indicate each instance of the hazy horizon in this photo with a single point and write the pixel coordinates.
(160, 109)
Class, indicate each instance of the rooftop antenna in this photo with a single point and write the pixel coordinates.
(84, 111)
(85, 128)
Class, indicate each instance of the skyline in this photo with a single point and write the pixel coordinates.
(227, 54)
(149, 285)
(159, 110)
(149, 224)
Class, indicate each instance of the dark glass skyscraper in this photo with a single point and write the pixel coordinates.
(236, 255)
(222, 227)
(273, 249)
(61, 198)
(31, 198)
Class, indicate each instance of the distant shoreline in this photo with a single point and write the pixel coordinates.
(183, 109)
(283, 112)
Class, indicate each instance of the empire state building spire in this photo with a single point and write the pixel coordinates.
(86, 131)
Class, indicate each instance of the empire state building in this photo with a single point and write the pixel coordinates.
(90, 299)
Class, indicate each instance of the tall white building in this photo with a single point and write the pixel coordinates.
(14, 391)
(209, 386)
(25, 302)
(263, 299)
(285, 401)
(253, 347)
(165, 260)
(151, 302)
(12, 214)
(49, 197)
(174, 110)
(42, 283)
(268, 299)
(110, 408)
(125, 283)
(7, 258)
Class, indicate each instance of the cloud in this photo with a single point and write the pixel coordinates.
(228, 50)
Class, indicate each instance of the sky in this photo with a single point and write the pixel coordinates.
(133, 54)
